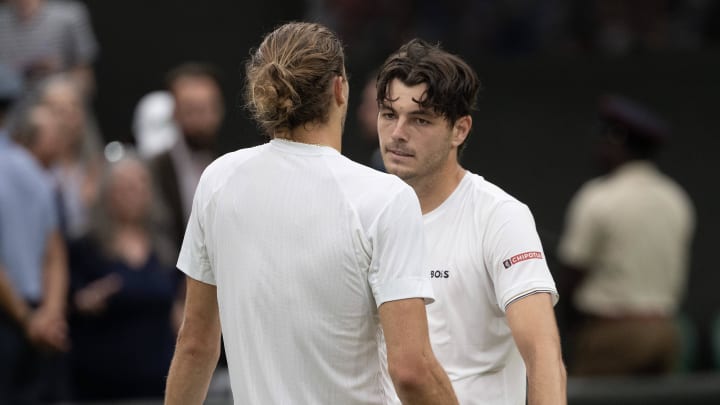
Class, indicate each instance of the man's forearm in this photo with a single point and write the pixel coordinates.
(533, 325)
(10, 302)
(198, 346)
(446, 393)
(547, 382)
(55, 276)
(435, 389)
(190, 373)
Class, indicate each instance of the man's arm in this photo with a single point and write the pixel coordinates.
(55, 275)
(11, 303)
(533, 326)
(416, 374)
(198, 346)
(48, 325)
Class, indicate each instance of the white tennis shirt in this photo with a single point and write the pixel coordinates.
(303, 246)
(484, 253)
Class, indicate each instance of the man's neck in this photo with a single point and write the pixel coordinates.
(433, 190)
(315, 134)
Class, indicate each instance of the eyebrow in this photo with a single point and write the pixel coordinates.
(420, 111)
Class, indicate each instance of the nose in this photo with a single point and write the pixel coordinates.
(399, 130)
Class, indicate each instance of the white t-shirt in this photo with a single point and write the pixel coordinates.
(304, 245)
(484, 254)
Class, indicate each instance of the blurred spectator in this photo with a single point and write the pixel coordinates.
(627, 237)
(42, 37)
(153, 125)
(198, 114)
(78, 169)
(367, 115)
(33, 268)
(122, 293)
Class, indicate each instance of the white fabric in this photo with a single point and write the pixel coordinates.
(304, 245)
(153, 124)
(632, 232)
(471, 235)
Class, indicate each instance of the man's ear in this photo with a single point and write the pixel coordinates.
(339, 84)
(461, 130)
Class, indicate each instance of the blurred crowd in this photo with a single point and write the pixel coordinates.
(90, 301)
(514, 27)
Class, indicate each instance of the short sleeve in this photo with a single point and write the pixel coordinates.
(580, 239)
(397, 263)
(514, 255)
(193, 259)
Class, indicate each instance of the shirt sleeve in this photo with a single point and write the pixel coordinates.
(396, 267)
(193, 259)
(83, 45)
(514, 255)
(52, 208)
(581, 237)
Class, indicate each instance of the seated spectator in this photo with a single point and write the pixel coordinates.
(122, 294)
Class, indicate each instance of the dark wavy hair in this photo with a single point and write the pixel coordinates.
(452, 85)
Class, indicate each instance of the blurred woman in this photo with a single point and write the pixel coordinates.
(77, 172)
(122, 293)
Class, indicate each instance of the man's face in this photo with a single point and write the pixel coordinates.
(65, 103)
(48, 139)
(415, 142)
(198, 110)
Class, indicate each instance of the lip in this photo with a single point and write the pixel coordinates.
(399, 153)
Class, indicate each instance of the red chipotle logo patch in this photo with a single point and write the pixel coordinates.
(521, 258)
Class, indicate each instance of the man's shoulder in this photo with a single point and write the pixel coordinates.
(224, 164)
(23, 172)
(18, 161)
(487, 195)
(162, 168)
(364, 179)
(596, 189)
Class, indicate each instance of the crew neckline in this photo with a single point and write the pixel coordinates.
(302, 148)
(453, 196)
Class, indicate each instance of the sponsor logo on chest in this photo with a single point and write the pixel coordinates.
(439, 273)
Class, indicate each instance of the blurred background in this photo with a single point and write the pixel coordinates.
(544, 65)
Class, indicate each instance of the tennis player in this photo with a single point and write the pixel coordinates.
(309, 263)
(493, 324)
